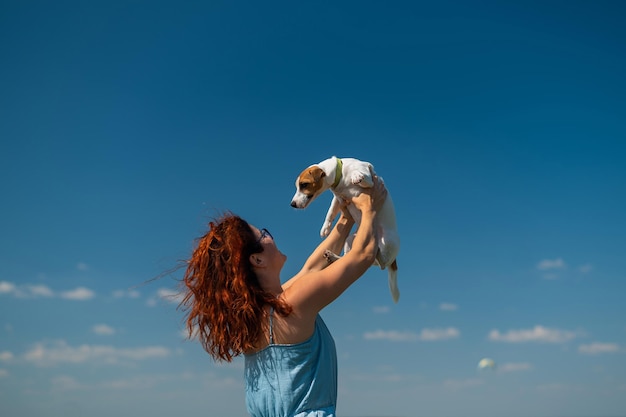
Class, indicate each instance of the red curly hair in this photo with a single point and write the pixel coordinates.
(223, 297)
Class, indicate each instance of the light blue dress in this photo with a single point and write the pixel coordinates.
(297, 380)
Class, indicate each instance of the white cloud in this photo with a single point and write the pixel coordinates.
(392, 335)
(79, 294)
(426, 335)
(585, 269)
(6, 356)
(536, 334)
(514, 367)
(185, 334)
(43, 291)
(3, 373)
(430, 335)
(381, 309)
(7, 287)
(39, 291)
(548, 264)
(166, 294)
(103, 330)
(25, 291)
(448, 307)
(169, 295)
(54, 353)
(126, 294)
(597, 348)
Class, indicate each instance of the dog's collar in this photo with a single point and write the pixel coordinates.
(338, 170)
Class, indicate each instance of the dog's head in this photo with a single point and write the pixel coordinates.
(309, 185)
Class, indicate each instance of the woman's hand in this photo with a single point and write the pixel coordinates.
(319, 283)
(371, 199)
(345, 213)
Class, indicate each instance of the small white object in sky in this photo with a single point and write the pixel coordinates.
(486, 363)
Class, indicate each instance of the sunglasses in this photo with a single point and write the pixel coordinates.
(264, 233)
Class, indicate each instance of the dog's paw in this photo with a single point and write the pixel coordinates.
(357, 177)
(330, 256)
(325, 231)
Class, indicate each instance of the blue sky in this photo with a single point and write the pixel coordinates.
(500, 130)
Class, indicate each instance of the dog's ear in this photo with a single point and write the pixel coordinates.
(318, 174)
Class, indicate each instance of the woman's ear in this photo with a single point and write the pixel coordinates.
(256, 260)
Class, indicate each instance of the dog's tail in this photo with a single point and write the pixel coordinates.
(392, 272)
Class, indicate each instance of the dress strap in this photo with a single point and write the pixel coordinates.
(271, 325)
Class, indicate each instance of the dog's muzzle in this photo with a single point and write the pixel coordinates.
(300, 203)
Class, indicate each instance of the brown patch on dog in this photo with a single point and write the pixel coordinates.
(311, 181)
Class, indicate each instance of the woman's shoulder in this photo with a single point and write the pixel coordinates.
(294, 328)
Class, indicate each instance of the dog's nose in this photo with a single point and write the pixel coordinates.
(293, 204)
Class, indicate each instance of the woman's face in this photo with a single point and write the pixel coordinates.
(272, 256)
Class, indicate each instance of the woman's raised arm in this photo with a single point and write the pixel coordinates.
(315, 289)
(333, 242)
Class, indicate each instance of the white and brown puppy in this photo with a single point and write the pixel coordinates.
(345, 178)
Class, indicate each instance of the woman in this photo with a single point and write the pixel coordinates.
(236, 303)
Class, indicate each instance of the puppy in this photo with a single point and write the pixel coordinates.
(345, 178)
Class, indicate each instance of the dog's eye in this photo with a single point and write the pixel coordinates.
(304, 185)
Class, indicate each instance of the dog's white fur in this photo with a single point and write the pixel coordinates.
(355, 174)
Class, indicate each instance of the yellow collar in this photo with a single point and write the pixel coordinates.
(338, 170)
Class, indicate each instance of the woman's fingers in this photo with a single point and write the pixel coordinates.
(380, 191)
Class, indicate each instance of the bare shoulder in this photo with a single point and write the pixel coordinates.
(294, 328)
